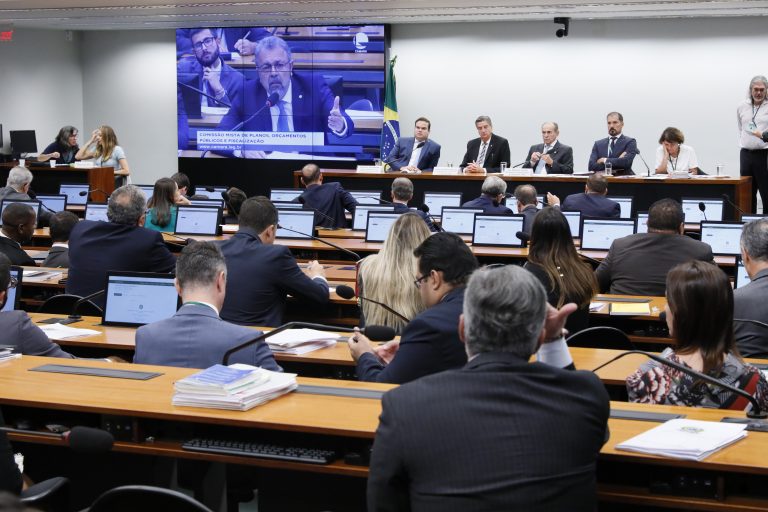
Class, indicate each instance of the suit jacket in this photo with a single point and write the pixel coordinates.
(185, 340)
(592, 205)
(562, 158)
(749, 303)
(96, 246)
(260, 277)
(401, 154)
(190, 72)
(486, 203)
(403, 208)
(27, 338)
(10, 477)
(490, 437)
(620, 165)
(529, 213)
(331, 199)
(429, 344)
(58, 257)
(15, 253)
(497, 152)
(10, 193)
(638, 264)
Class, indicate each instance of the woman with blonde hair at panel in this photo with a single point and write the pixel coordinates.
(105, 151)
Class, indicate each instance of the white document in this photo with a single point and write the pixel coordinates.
(60, 331)
(294, 337)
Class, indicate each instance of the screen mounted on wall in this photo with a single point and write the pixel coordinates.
(294, 93)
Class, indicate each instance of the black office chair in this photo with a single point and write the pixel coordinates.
(751, 337)
(62, 305)
(601, 336)
(130, 498)
(51, 495)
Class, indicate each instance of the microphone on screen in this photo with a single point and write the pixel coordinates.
(271, 101)
(703, 209)
(347, 292)
(199, 91)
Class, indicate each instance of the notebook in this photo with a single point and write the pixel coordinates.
(284, 194)
(360, 219)
(713, 209)
(723, 237)
(459, 220)
(625, 202)
(377, 227)
(302, 221)
(13, 295)
(96, 211)
(498, 230)
(198, 220)
(138, 298)
(55, 202)
(599, 234)
(73, 190)
(437, 200)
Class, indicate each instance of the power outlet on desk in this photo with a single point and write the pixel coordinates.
(121, 427)
(686, 485)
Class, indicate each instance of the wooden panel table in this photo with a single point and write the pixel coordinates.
(47, 179)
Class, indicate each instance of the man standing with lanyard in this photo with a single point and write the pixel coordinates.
(752, 115)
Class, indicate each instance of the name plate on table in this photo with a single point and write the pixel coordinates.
(83, 165)
(372, 169)
(518, 172)
(446, 171)
(679, 175)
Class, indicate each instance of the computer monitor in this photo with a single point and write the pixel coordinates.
(34, 204)
(13, 295)
(282, 205)
(360, 219)
(713, 209)
(198, 220)
(437, 200)
(148, 190)
(138, 298)
(96, 211)
(72, 191)
(215, 193)
(366, 196)
(641, 222)
(625, 202)
(723, 237)
(742, 278)
(749, 217)
(55, 202)
(574, 222)
(284, 194)
(207, 202)
(498, 230)
(599, 234)
(378, 224)
(302, 221)
(459, 220)
(23, 141)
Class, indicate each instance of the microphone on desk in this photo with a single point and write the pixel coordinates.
(271, 101)
(424, 208)
(728, 200)
(200, 91)
(347, 292)
(85, 440)
(33, 196)
(523, 237)
(186, 241)
(374, 332)
(703, 209)
(303, 201)
(73, 316)
(323, 241)
(755, 413)
(86, 192)
(647, 169)
(518, 165)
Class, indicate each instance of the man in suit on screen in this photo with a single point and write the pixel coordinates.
(550, 157)
(485, 153)
(415, 154)
(617, 149)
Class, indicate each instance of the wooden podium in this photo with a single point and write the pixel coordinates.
(47, 179)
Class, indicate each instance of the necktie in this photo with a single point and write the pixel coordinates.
(420, 145)
(481, 158)
(611, 145)
(282, 120)
(541, 166)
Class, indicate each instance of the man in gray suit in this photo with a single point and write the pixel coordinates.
(638, 264)
(750, 309)
(550, 157)
(17, 185)
(196, 337)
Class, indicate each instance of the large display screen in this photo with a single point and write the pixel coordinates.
(296, 93)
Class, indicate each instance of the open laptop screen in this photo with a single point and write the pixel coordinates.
(148, 190)
(642, 222)
(599, 234)
(72, 191)
(713, 209)
(35, 205)
(14, 292)
(377, 227)
(744, 218)
(625, 202)
(210, 194)
(302, 221)
(723, 237)
(55, 202)
(742, 278)
(96, 211)
(136, 298)
(219, 203)
(366, 196)
(360, 220)
(498, 230)
(459, 220)
(574, 222)
(437, 200)
(284, 194)
(197, 220)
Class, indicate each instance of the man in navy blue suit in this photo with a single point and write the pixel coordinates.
(402, 192)
(592, 203)
(527, 205)
(616, 149)
(329, 199)
(415, 154)
(493, 191)
(487, 152)
(196, 337)
(430, 342)
(120, 244)
(262, 273)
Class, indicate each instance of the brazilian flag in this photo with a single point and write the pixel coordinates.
(391, 130)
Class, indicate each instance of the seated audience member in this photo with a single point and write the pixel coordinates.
(10, 476)
(328, 198)
(673, 155)
(749, 302)
(263, 273)
(638, 264)
(387, 276)
(63, 149)
(19, 221)
(553, 259)
(62, 224)
(120, 244)
(195, 337)
(492, 194)
(16, 326)
(501, 433)
(592, 203)
(551, 156)
(17, 185)
(527, 205)
(234, 202)
(162, 205)
(430, 342)
(402, 192)
(700, 319)
(185, 186)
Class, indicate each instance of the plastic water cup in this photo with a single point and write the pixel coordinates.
(608, 169)
(720, 169)
(22, 162)
(503, 167)
(53, 163)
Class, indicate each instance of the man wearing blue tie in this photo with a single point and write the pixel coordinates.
(415, 154)
(616, 149)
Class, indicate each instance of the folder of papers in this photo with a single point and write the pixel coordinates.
(630, 308)
(301, 341)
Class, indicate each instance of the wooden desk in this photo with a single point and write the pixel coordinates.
(48, 179)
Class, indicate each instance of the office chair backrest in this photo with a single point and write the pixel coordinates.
(601, 337)
(130, 498)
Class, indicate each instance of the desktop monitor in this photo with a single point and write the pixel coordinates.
(366, 196)
(498, 230)
(23, 141)
(55, 202)
(207, 202)
(73, 190)
(198, 220)
(723, 237)
(302, 221)
(360, 218)
(96, 211)
(625, 202)
(148, 190)
(13, 295)
(214, 192)
(742, 278)
(378, 224)
(437, 200)
(713, 209)
(599, 234)
(641, 224)
(34, 204)
(459, 220)
(574, 222)
(284, 194)
(137, 298)
(749, 217)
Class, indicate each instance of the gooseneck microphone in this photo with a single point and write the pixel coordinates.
(73, 316)
(425, 209)
(91, 190)
(703, 209)
(647, 169)
(523, 237)
(200, 91)
(303, 201)
(323, 241)
(271, 101)
(728, 200)
(33, 196)
(347, 292)
(80, 439)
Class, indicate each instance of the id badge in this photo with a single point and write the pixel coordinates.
(752, 127)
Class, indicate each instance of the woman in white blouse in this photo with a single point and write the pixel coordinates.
(673, 155)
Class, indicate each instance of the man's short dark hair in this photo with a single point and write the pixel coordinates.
(617, 114)
(126, 205)
(257, 213)
(448, 253)
(665, 215)
(5, 272)
(526, 194)
(16, 214)
(402, 189)
(310, 173)
(61, 225)
(182, 180)
(754, 239)
(597, 183)
(429, 124)
(236, 199)
(198, 264)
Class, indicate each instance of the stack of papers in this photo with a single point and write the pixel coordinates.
(630, 308)
(237, 387)
(6, 354)
(685, 439)
(60, 331)
(301, 341)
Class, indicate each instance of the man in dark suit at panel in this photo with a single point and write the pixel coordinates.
(527, 205)
(430, 342)
(591, 203)
(123, 243)
(328, 198)
(749, 302)
(638, 264)
(550, 157)
(415, 154)
(262, 274)
(491, 435)
(485, 153)
(402, 192)
(617, 149)
(62, 224)
(493, 191)
(19, 221)
(196, 337)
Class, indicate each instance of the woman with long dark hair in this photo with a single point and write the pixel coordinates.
(162, 205)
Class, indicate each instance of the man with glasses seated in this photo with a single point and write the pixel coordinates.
(430, 342)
